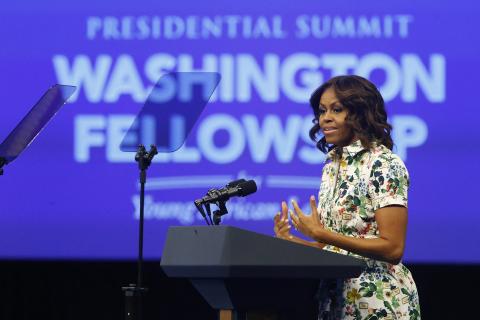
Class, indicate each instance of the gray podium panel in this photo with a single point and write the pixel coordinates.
(229, 252)
(240, 270)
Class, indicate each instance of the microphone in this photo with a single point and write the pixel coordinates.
(235, 183)
(237, 188)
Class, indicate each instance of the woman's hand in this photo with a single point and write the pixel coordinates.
(309, 225)
(281, 224)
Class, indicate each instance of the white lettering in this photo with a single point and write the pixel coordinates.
(261, 139)
(433, 84)
(266, 83)
(306, 65)
(408, 131)
(125, 80)
(393, 74)
(236, 139)
(83, 75)
(245, 78)
(94, 24)
(85, 137)
(118, 126)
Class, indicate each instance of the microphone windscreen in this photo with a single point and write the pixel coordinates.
(247, 188)
(235, 183)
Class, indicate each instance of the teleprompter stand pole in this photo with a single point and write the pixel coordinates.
(2, 163)
(135, 292)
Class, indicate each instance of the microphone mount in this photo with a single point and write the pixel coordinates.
(220, 201)
(217, 214)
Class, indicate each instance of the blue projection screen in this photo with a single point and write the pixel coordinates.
(74, 195)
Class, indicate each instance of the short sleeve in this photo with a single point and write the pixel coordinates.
(389, 182)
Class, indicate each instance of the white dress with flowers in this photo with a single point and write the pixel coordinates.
(355, 183)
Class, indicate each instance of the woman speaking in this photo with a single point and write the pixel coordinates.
(362, 204)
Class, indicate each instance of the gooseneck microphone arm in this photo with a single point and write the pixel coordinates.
(198, 204)
(209, 212)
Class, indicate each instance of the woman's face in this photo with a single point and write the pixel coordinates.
(332, 120)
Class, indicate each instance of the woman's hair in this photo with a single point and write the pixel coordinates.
(366, 111)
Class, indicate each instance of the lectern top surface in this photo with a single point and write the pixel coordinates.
(226, 251)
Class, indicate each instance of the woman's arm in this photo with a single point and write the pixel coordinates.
(389, 246)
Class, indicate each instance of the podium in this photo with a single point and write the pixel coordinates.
(247, 275)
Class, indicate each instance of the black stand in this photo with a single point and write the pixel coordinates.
(2, 163)
(135, 292)
(217, 214)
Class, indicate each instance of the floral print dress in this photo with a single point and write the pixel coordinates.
(355, 182)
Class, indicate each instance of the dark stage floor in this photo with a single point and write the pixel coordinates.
(59, 290)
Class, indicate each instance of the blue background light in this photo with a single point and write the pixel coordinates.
(74, 194)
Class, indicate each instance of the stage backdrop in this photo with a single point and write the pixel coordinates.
(74, 194)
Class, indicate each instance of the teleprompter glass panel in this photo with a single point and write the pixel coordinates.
(34, 122)
(171, 110)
